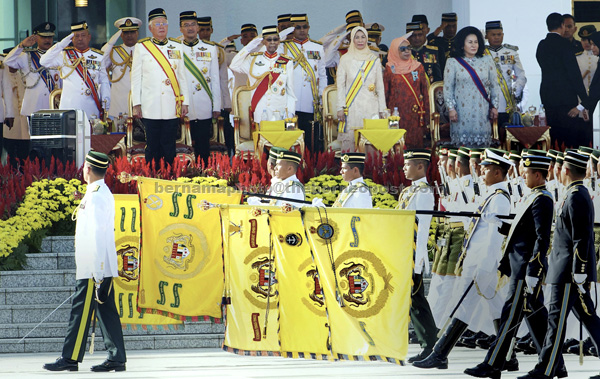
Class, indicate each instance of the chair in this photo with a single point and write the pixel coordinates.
(136, 139)
(217, 141)
(243, 123)
(55, 98)
(330, 118)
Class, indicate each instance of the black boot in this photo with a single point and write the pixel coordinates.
(439, 357)
(568, 343)
(419, 357)
(484, 370)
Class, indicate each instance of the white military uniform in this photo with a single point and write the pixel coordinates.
(119, 61)
(37, 92)
(356, 195)
(223, 77)
(279, 96)
(331, 43)
(6, 96)
(204, 56)
(314, 55)
(290, 188)
(150, 86)
(76, 94)
(588, 63)
(14, 97)
(508, 62)
(95, 250)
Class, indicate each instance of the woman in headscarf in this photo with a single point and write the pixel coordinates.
(360, 91)
(406, 88)
(471, 90)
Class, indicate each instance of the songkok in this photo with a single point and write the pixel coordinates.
(128, 24)
(443, 151)
(538, 162)
(353, 158)
(188, 15)
(463, 152)
(353, 16)
(299, 18)
(290, 156)
(420, 18)
(576, 159)
(452, 154)
(45, 30)
(249, 28)
(586, 31)
(412, 26)
(476, 153)
(552, 154)
(269, 30)
(490, 157)
(79, 26)
(284, 18)
(493, 25)
(560, 157)
(417, 154)
(97, 159)
(154, 13)
(595, 155)
(231, 45)
(449, 17)
(514, 156)
(352, 25)
(204, 21)
(585, 150)
(274, 152)
(529, 152)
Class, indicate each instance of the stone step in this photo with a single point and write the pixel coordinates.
(59, 329)
(145, 342)
(58, 244)
(50, 261)
(35, 295)
(37, 278)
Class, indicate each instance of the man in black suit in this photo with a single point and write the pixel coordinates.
(594, 91)
(571, 267)
(524, 260)
(561, 85)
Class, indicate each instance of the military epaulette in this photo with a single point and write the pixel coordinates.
(257, 53)
(69, 48)
(174, 40)
(374, 48)
(97, 51)
(317, 42)
(424, 185)
(432, 47)
(96, 188)
(143, 39)
(285, 56)
(29, 49)
(578, 53)
(515, 48)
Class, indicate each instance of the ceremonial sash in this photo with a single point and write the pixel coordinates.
(264, 85)
(126, 61)
(523, 208)
(419, 101)
(503, 85)
(87, 79)
(193, 69)
(347, 194)
(125, 57)
(44, 73)
(355, 88)
(164, 63)
(303, 62)
(476, 80)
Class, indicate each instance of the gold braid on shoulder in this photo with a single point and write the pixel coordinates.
(73, 66)
(127, 61)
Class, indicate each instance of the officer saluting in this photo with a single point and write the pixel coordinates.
(571, 266)
(96, 260)
(427, 55)
(119, 60)
(445, 42)
(85, 82)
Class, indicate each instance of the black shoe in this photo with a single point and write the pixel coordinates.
(433, 361)
(465, 335)
(109, 365)
(511, 365)
(562, 373)
(485, 343)
(533, 375)
(568, 343)
(528, 348)
(588, 345)
(62, 364)
(595, 377)
(484, 370)
(469, 342)
(592, 351)
(523, 343)
(419, 357)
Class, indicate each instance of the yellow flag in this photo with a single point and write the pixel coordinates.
(365, 260)
(181, 264)
(303, 324)
(251, 283)
(127, 240)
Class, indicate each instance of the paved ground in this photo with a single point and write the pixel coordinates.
(215, 363)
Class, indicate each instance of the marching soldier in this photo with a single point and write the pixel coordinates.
(587, 61)
(96, 260)
(444, 43)
(478, 262)
(571, 267)
(509, 70)
(83, 71)
(524, 261)
(309, 81)
(419, 196)
(427, 55)
(202, 75)
(270, 74)
(159, 89)
(119, 63)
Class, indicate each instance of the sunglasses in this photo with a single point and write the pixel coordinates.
(272, 39)
(404, 48)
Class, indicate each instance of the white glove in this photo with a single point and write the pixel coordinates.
(491, 218)
(66, 41)
(114, 38)
(580, 281)
(106, 104)
(254, 44)
(318, 202)
(98, 277)
(254, 200)
(284, 33)
(531, 283)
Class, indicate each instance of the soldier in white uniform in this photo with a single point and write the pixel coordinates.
(97, 265)
(201, 59)
(83, 71)
(119, 61)
(509, 65)
(270, 75)
(288, 186)
(336, 42)
(310, 80)
(587, 61)
(159, 89)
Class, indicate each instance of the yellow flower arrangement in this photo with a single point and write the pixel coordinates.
(328, 187)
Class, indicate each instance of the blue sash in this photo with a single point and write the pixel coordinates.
(476, 80)
(44, 73)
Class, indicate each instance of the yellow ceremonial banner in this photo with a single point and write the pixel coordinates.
(303, 325)
(181, 263)
(127, 240)
(251, 282)
(365, 261)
